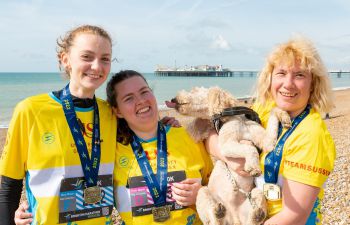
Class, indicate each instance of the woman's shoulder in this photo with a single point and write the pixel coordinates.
(263, 110)
(312, 132)
(102, 103)
(314, 124)
(33, 101)
(177, 132)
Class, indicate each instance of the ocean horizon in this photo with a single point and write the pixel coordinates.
(15, 87)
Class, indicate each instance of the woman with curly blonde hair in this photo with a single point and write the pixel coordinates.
(302, 51)
(295, 79)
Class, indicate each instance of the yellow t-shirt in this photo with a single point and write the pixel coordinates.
(185, 159)
(308, 157)
(40, 147)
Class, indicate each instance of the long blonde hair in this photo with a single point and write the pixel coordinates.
(300, 50)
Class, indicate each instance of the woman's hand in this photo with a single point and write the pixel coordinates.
(167, 120)
(185, 192)
(21, 217)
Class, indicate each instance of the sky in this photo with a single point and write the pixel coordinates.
(237, 34)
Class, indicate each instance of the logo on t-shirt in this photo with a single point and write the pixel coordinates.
(48, 138)
(123, 161)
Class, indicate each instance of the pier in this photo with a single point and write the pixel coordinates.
(228, 73)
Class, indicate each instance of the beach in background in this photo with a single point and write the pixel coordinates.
(336, 205)
(15, 87)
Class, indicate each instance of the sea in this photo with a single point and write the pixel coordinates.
(15, 87)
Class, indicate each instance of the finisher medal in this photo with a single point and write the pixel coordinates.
(272, 192)
(273, 159)
(92, 195)
(161, 213)
(90, 166)
(157, 185)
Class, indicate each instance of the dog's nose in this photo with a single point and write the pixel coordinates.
(174, 100)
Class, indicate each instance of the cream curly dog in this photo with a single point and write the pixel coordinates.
(229, 198)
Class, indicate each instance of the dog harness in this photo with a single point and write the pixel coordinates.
(237, 188)
(234, 111)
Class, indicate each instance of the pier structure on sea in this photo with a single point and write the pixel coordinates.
(219, 71)
(203, 71)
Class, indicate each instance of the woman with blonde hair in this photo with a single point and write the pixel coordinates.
(294, 79)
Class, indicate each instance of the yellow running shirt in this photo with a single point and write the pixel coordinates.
(40, 147)
(308, 157)
(186, 159)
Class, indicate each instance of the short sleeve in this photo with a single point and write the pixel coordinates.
(14, 155)
(309, 158)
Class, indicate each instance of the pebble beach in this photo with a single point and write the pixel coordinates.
(336, 204)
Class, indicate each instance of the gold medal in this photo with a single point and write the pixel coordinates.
(161, 213)
(92, 195)
(272, 192)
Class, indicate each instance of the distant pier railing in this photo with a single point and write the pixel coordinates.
(228, 73)
(174, 73)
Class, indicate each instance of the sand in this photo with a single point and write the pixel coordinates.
(336, 204)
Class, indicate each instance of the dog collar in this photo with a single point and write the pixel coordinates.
(233, 111)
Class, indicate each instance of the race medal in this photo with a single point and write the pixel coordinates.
(92, 195)
(272, 192)
(161, 213)
(90, 165)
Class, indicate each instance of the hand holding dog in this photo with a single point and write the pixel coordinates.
(185, 192)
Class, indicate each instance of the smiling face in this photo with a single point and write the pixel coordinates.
(89, 63)
(136, 104)
(291, 87)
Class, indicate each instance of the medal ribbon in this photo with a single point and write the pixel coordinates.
(90, 166)
(157, 186)
(273, 158)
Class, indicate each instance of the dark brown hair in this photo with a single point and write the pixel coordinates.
(124, 134)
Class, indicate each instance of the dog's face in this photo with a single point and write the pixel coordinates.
(192, 103)
(203, 102)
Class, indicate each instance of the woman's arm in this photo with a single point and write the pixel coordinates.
(10, 194)
(298, 201)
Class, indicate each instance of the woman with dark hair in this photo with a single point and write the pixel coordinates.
(160, 168)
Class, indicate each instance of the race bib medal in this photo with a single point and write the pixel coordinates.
(157, 185)
(272, 192)
(271, 189)
(161, 213)
(90, 167)
(92, 195)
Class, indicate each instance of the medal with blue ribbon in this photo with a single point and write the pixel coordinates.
(273, 159)
(157, 185)
(90, 166)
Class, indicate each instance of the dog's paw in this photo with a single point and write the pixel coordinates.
(220, 211)
(283, 117)
(258, 216)
(253, 170)
(285, 121)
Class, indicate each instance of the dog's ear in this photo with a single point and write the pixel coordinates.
(199, 129)
(218, 100)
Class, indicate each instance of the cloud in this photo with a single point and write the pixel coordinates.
(221, 43)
